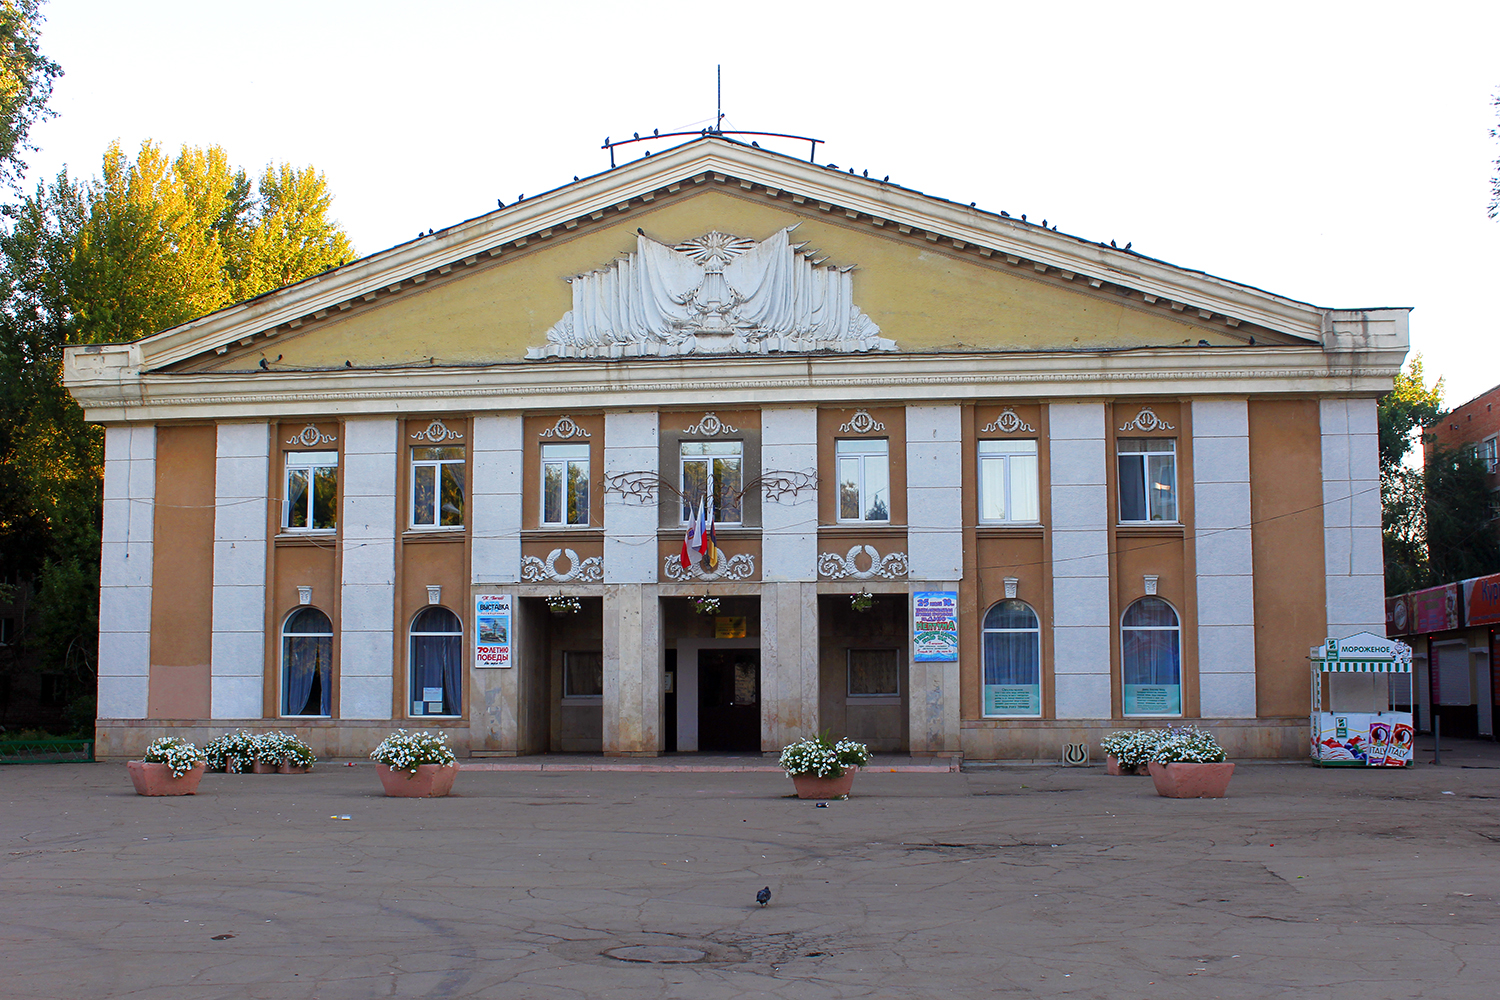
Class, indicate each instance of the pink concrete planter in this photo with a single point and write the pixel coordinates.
(264, 767)
(1112, 765)
(287, 767)
(1191, 781)
(430, 781)
(156, 779)
(810, 786)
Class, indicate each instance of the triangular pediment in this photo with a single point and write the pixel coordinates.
(921, 274)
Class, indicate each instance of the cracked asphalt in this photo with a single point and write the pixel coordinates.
(1013, 882)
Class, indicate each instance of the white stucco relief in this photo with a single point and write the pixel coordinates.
(714, 294)
(740, 566)
(837, 567)
(590, 570)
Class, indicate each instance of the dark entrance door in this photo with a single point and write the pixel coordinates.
(729, 699)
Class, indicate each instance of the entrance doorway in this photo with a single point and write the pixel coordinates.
(729, 700)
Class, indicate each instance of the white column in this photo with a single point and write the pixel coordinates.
(367, 601)
(1080, 562)
(495, 499)
(630, 442)
(789, 524)
(934, 492)
(1354, 568)
(242, 474)
(632, 670)
(1226, 591)
(125, 571)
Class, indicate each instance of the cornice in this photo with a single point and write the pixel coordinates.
(720, 382)
(723, 161)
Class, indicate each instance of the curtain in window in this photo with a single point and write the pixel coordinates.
(306, 659)
(437, 658)
(1151, 661)
(1012, 660)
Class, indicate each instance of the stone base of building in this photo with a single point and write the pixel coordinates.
(980, 740)
(1044, 739)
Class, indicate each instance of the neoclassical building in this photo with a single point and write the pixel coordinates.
(977, 487)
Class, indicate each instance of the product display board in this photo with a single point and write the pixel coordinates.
(1360, 739)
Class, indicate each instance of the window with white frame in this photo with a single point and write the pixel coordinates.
(1148, 478)
(583, 674)
(874, 673)
(1488, 455)
(1151, 658)
(311, 494)
(713, 469)
(1008, 482)
(437, 486)
(436, 665)
(306, 663)
(1012, 661)
(864, 471)
(565, 484)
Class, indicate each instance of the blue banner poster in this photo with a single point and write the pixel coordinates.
(935, 626)
(492, 630)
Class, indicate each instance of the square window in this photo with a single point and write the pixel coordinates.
(565, 484)
(437, 486)
(1147, 479)
(1488, 454)
(1008, 491)
(310, 498)
(583, 675)
(713, 469)
(864, 479)
(874, 673)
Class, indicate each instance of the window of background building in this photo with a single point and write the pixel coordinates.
(306, 663)
(1151, 658)
(565, 484)
(713, 469)
(864, 472)
(312, 479)
(1148, 479)
(7, 631)
(1488, 455)
(1008, 482)
(436, 664)
(437, 487)
(583, 674)
(1012, 661)
(874, 673)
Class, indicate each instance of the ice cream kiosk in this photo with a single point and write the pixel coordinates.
(1360, 739)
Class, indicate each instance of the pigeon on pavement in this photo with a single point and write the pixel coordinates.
(764, 896)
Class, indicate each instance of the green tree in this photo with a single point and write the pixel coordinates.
(151, 243)
(1408, 407)
(25, 83)
(1461, 537)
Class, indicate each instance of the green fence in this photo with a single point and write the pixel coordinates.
(46, 751)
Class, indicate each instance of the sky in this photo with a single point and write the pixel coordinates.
(1336, 153)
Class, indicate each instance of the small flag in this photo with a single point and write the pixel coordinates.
(692, 544)
(710, 541)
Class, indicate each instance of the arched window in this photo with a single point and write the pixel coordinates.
(1012, 661)
(306, 663)
(1151, 658)
(436, 663)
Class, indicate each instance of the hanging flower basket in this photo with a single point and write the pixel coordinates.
(706, 605)
(862, 601)
(562, 604)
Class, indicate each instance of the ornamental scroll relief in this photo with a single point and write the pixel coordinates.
(1008, 422)
(709, 426)
(590, 570)
(713, 294)
(311, 437)
(437, 432)
(1147, 421)
(735, 567)
(837, 567)
(565, 428)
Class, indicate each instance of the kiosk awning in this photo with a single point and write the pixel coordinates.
(1363, 666)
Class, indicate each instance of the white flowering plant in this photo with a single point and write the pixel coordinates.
(562, 604)
(821, 757)
(178, 754)
(862, 601)
(404, 751)
(706, 605)
(1189, 745)
(287, 747)
(1132, 747)
(233, 752)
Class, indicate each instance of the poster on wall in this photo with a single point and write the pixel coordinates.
(492, 630)
(935, 626)
(1153, 699)
(1012, 699)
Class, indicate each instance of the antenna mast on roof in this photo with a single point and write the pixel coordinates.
(718, 128)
